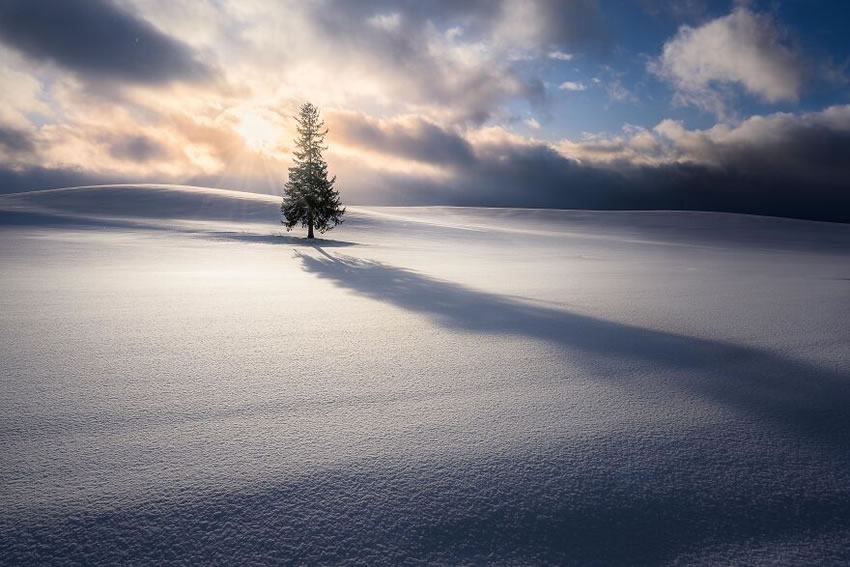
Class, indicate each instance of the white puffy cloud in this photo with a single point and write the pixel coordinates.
(572, 86)
(810, 144)
(743, 49)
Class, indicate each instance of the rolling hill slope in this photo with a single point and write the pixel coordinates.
(180, 380)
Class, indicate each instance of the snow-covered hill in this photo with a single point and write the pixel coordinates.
(181, 380)
(151, 202)
(173, 206)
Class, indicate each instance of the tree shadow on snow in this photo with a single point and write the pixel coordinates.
(518, 508)
(278, 239)
(807, 399)
(45, 220)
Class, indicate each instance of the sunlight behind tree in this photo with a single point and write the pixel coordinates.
(309, 196)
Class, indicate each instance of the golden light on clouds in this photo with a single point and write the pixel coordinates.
(446, 102)
(260, 133)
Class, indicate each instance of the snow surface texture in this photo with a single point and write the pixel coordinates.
(180, 383)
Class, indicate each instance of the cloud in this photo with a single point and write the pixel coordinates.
(804, 146)
(509, 173)
(15, 140)
(13, 180)
(97, 39)
(742, 49)
(455, 61)
(780, 164)
(808, 149)
(136, 148)
(106, 104)
(566, 25)
(22, 92)
(551, 25)
(572, 86)
(611, 80)
(407, 137)
(413, 61)
(420, 104)
(573, 24)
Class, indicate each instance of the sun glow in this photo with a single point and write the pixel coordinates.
(259, 133)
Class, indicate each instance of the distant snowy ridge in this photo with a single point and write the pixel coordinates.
(147, 202)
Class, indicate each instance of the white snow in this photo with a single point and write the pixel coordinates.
(181, 380)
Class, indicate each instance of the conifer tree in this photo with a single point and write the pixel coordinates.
(309, 196)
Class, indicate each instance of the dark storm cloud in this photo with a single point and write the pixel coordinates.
(809, 154)
(413, 139)
(536, 178)
(796, 170)
(753, 191)
(35, 178)
(137, 148)
(97, 39)
(16, 141)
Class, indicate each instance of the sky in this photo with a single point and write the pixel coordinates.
(737, 106)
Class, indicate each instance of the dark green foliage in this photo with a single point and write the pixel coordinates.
(309, 196)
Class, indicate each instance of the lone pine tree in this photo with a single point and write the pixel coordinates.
(309, 196)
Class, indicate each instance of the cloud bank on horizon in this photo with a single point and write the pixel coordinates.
(697, 104)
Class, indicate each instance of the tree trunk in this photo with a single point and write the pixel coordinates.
(310, 229)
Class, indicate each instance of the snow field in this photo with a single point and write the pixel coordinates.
(181, 381)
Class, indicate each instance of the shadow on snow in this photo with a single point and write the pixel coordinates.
(44, 220)
(514, 509)
(802, 397)
(277, 239)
